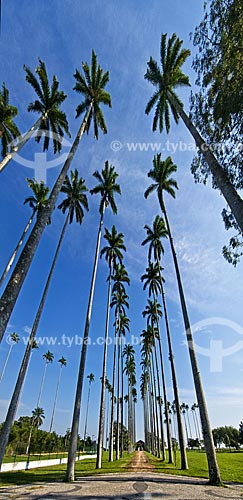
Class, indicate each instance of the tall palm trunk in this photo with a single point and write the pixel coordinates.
(111, 447)
(152, 416)
(130, 418)
(107, 446)
(20, 144)
(151, 421)
(169, 443)
(25, 362)
(6, 362)
(87, 412)
(122, 399)
(231, 196)
(182, 444)
(155, 406)
(102, 397)
(11, 260)
(118, 398)
(11, 292)
(162, 447)
(214, 473)
(55, 400)
(42, 384)
(77, 404)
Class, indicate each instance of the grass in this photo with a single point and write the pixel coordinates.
(230, 464)
(57, 473)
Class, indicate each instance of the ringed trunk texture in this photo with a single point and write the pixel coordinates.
(213, 468)
(20, 144)
(76, 411)
(12, 290)
(231, 196)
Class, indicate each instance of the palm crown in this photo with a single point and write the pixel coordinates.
(161, 175)
(154, 236)
(152, 279)
(166, 81)
(8, 129)
(76, 199)
(92, 87)
(106, 187)
(112, 251)
(39, 198)
(54, 121)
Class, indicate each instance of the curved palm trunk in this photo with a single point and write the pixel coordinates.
(25, 362)
(102, 397)
(87, 412)
(11, 292)
(231, 196)
(182, 444)
(214, 473)
(118, 404)
(76, 411)
(20, 144)
(12, 258)
(111, 447)
(55, 400)
(6, 362)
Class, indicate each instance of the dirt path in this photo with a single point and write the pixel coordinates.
(140, 463)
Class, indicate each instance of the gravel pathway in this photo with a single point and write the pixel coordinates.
(135, 485)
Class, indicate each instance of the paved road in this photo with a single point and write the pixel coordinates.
(145, 485)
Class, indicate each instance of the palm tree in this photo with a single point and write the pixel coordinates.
(63, 362)
(37, 202)
(153, 313)
(119, 300)
(183, 411)
(76, 199)
(92, 87)
(166, 81)
(130, 370)
(36, 421)
(91, 379)
(148, 351)
(112, 252)
(162, 181)
(48, 357)
(156, 250)
(14, 339)
(123, 326)
(8, 129)
(52, 121)
(107, 187)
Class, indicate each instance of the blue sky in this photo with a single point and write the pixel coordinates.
(124, 35)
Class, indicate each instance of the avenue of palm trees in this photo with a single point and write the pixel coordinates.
(165, 423)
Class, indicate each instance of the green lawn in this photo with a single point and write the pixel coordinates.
(57, 473)
(230, 464)
(37, 456)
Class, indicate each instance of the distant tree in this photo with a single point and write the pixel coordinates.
(217, 107)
